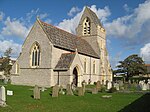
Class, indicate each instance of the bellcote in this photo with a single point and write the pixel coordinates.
(89, 24)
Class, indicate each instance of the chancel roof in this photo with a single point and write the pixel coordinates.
(68, 41)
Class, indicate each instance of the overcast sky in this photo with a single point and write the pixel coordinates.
(127, 23)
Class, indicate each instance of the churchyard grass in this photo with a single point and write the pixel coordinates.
(22, 101)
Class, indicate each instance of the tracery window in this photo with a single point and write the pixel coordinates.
(35, 55)
(86, 26)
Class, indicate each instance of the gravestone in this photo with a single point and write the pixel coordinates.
(80, 91)
(36, 92)
(116, 85)
(109, 85)
(61, 91)
(94, 90)
(138, 87)
(83, 86)
(55, 91)
(43, 89)
(120, 83)
(148, 84)
(69, 90)
(144, 87)
(2, 96)
(98, 85)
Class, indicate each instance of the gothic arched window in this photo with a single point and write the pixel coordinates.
(94, 67)
(17, 68)
(86, 26)
(85, 66)
(35, 55)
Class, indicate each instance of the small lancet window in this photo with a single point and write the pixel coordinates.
(17, 68)
(93, 67)
(35, 55)
(86, 26)
(85, 66)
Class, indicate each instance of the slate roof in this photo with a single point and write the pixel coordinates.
(65, 61)
(68, 41)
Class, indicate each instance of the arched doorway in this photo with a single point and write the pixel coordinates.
(75, 76)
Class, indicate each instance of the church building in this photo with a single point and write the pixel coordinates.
(53, 56)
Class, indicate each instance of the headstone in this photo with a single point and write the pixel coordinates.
(36, 92)
(83, 85)
(144, 88)
(2, 96)
(129, 81)
(43, 89)
(55, 91)
(69, 90)
(80, 91)
(94, 91)
(109, 85)
(138, 87)
(61, 91)
(9, 93)
(116, 85)
(98, 85)
(141, 83)
(120, 83)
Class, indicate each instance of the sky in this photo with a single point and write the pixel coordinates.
(127, 23)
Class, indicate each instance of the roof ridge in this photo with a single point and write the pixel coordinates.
(59, 28)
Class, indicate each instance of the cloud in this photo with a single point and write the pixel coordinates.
(145, 52)
(1, 15)
(71, 24)
(31, 14)
(126, 8)
(101, 13)
(132, 27)
(73, 11)
(16, 48)
(14, 28)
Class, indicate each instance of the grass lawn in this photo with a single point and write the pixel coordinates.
(22, 101)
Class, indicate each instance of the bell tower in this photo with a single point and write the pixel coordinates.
(93, 32)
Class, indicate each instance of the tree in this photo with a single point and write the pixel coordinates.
(6, 66)
(132, 65)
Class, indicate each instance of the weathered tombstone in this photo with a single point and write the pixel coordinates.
(36, 92)
(69, 90)
(80, 91)
(138, 87)
(55, 91)
(120, 83)
(144, 88)
(109, 85)
(98, 85)
(61, 90)
(83, 85)
(94, 91)
(2, 96)
(116, 85)
(43, 89)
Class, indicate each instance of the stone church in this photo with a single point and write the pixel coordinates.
(53, 56)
